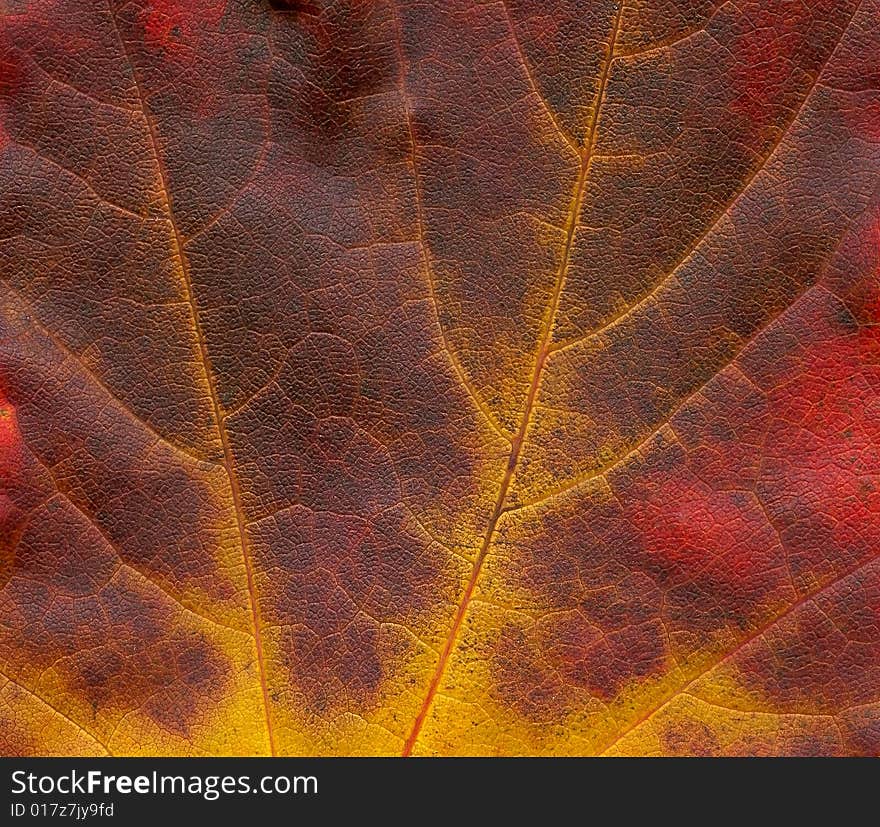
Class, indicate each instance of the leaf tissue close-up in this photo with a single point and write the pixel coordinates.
(440, 378)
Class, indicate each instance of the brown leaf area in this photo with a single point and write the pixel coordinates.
(440, 378)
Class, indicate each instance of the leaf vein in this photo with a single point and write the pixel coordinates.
(726, 656)
(694, 246)
(34, 694)
(228, 458)
(540, 361)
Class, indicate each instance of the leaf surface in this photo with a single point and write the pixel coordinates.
(446, 378)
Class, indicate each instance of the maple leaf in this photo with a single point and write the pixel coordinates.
(445, 378)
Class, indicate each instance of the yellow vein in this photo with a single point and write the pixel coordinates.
(769, 712)
(673, 40)
(541, 358)
(34, 694)
(78, 360)
(228, 459)
(697, 243)
(102, 199)
(726, 656)
(531, 79)
(460, 372)
(602, 472)
(123, 563)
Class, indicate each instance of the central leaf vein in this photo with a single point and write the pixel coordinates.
(543, 352)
